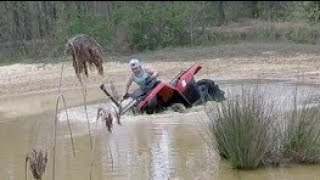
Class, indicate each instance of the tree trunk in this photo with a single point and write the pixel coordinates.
(270, 7)
(27, 21)
(54, 11)
(254, 9)
(67, 7)
(46, 19)
(78, 9)
(3, 20)
(222, 17)
(95, 8)
(40, 17)
(17, 27)
(109, 7)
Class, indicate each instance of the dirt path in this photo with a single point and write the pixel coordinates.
(242, 61)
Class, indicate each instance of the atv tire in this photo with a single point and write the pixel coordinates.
(210, 91)
(155, 106)
(177, 107)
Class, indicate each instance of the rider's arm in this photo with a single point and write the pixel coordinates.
(153, 73)
(129, 82)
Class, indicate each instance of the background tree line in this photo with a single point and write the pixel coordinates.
(38, 29)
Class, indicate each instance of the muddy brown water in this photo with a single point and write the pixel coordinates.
(164, 146)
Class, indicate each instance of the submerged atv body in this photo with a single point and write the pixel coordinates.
(182, 89)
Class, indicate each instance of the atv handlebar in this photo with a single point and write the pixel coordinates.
(126, 96)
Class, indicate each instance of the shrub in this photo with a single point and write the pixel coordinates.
(301, 137)
(242, 129)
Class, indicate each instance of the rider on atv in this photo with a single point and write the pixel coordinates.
(144, 77)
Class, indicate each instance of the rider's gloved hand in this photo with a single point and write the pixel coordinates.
(125, 96)
(148, 80)
(102, 86)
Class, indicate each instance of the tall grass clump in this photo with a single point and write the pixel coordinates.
(301, 140)
(241, 129)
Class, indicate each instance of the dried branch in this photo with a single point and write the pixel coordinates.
(37, 159)
(85, 52)
(60, 96)
(114, 92)
(105, 115)
(84, 95)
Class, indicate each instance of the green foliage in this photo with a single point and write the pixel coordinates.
(305, 34)
(137, 26)
(153, 25)
(301, 139)
(303, 10)
(250, 131)
(312, 10)
(242, 129)
(236, 10)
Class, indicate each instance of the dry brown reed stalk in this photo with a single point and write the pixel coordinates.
(84, 95)
(85, 52)
(60, 96)
(114, 92)
(115, 95)
(109, 149)
(37, 159)
(107, 115)
(117, 112)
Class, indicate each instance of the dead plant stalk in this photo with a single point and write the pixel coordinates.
(60, 96)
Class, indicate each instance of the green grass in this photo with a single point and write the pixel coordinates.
(242, 129)
(301, 138)
(250, 131)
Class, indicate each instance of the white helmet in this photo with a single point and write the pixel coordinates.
(134, 63)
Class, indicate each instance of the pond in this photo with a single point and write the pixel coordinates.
(169, 145)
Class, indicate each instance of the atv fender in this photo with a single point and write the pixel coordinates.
(187, 77)
(166, 93)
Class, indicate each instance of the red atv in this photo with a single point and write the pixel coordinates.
(182, 89)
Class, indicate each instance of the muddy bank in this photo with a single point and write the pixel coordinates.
(265, 61)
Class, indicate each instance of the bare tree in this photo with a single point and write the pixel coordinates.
(40, 29)
(222, 17)
(26, 19)
(17, 27)
(254, 9)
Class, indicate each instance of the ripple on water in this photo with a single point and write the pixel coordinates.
(169, 145)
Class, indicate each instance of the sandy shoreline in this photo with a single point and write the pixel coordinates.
(269, 64)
